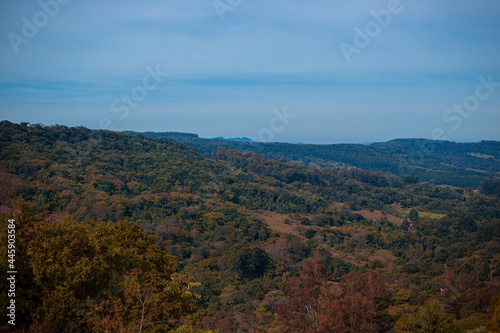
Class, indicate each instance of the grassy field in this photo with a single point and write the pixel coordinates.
(431, 215)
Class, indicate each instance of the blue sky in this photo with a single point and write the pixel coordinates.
(233, 65)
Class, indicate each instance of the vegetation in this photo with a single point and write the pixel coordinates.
(94, 275)
(437, 162)
(122, 232)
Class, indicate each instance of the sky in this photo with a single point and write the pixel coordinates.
(284, 70)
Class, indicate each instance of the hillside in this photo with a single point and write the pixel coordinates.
(236, 242)
(437, 162)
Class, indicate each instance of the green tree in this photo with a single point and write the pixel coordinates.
(430, 318)
(67, 268)
(251, 262)
(413, 215)
(148, 303)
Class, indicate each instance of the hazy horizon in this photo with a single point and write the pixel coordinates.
(321, 72)
(245, 137)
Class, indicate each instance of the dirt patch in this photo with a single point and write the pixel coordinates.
(339, 205)
(346, 257)
(383, 255)
(377, 215)
(276, 222)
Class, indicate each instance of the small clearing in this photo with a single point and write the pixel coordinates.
(276, 222)
(377, 215)
(384, 256)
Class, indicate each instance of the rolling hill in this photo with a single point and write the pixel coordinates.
(230, 241)
(436, 162)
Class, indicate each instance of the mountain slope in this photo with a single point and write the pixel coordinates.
(248, 229)
(437, 162)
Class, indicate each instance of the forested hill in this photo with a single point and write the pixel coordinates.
(437, 162)
(117, 232)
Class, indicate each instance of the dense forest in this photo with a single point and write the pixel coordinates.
(118, 232)
(436, 162)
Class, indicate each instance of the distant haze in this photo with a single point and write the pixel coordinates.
(290, 71)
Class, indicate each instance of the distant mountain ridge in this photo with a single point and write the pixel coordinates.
(437, 162)
(243, 139)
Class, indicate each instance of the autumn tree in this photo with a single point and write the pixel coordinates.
(348, 314)
(313, 304)
(68, 267)
(300, 311)
(430, 318)
(147, 303)
(372, 287)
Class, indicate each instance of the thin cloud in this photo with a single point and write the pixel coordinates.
(262, 55)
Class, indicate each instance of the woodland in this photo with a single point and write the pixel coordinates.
(465, 164)
(118, 232)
